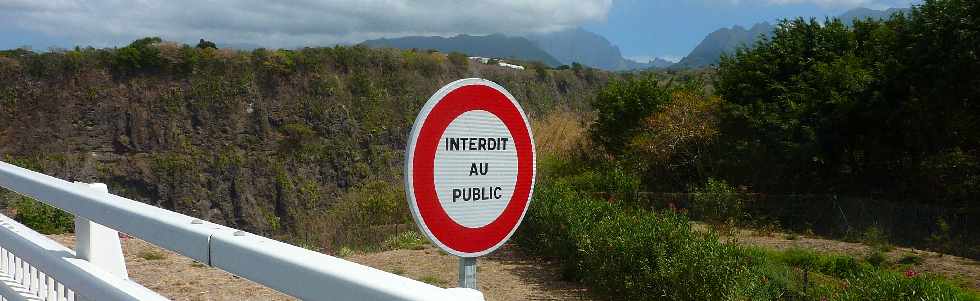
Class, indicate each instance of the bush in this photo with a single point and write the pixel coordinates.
(621, 107)
(42, 217)
(627, 254)
(717, 202)
(641, 255)
(623, 253)
(365, 218)
(612, 181)
(459, 60)
(874, 284)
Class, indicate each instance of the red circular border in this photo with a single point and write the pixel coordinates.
(443, 228)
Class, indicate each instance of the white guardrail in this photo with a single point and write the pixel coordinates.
(34, 267)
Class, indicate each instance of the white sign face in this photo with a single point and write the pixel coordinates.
(470, 167)
(476, 163)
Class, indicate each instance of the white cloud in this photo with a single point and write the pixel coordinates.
(825, 3)
(876, 4)
(292, 23)
(649, 58)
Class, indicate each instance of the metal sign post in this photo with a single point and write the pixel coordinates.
(467, 272)
(469, 170)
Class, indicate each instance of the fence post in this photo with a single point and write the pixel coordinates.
(99, 244)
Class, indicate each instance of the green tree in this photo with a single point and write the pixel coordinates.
(140, 55)
(205, 44)
(620, 108)
(876, 107)
(675, 144)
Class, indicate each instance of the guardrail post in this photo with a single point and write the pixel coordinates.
(99, 244)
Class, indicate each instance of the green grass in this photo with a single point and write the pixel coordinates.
(433, 280)
(344, 252)
(408, 240)
(148, 254)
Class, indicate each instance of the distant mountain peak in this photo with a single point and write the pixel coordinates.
(577, 45)
(726, 40)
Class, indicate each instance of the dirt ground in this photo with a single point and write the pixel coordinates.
(504, 275)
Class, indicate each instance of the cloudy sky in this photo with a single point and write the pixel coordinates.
(642, 28)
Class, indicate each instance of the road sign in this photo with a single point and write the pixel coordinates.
(470, 167)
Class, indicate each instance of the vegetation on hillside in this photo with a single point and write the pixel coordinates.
(882, 110)
(875, 125)
(307, 145)
(626, 253)
(304, 145)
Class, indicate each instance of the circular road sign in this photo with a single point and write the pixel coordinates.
(470, 167)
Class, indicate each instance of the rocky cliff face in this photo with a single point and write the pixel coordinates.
(264, 141)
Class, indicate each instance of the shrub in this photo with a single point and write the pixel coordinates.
(941, 239)
(540, 70)
(876, 257)
(621, 107)
(459, 60)
(874, 284)
(148, 254)
(717, 202)
(42, 217)
(363, 218)
(676, 142)
(630, 255)
(613, 181)
(638, 256)
(623, 253)
(877, 239)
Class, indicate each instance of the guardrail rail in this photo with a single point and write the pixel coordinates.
(34, 267)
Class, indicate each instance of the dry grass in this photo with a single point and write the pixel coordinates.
(561, 132)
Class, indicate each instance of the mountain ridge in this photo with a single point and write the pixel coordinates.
(726, 40)
(577, 45)
(564, 47)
